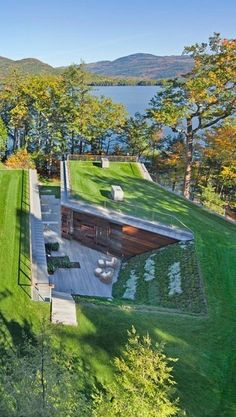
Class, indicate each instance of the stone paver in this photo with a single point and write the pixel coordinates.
(63, 309)
(81, 280)
(40, 280)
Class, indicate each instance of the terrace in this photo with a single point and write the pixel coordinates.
(139, 224)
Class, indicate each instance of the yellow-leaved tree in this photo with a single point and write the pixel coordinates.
(200, 100)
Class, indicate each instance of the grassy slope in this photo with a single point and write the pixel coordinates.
(206, 371)
(92, 183)
(17, 313)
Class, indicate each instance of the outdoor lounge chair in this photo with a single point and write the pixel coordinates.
(98, 272)
(111, 263)
(101, 263)
(106, 277)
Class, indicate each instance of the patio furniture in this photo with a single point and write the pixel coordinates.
(112, 262)
(98, 272)
(106, 276)
(101, 263)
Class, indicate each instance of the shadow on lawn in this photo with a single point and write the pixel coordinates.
(24, 263)
(13, 333)
(106, 337)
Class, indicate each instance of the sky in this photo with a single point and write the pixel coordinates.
(62, 32)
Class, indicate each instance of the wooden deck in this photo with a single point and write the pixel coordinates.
(81, 280)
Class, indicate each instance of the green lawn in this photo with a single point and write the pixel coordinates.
(18, 314)
(92, 183)
(206, 347)
(50, 187)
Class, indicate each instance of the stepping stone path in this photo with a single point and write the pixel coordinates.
(63, 309)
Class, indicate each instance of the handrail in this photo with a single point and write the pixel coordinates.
(134, 210)
(97, 158)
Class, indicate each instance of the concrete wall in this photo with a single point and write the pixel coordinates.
(41, 289)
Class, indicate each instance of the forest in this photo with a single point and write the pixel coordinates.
(43, 118)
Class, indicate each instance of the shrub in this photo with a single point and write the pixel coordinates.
(212, 200)
(55, 262)
(20, 159)
(51, 247)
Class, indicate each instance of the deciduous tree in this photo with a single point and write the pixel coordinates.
(21, 159)
(204, 98)
(38, 381)
(143, 385)
(3, 137)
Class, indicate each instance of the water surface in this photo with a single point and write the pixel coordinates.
(134, 98)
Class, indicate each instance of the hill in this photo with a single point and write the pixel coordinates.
(206, 370)
(26, 66)
(142, 66)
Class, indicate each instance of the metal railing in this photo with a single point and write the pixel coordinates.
(137, 210)
(97, 158)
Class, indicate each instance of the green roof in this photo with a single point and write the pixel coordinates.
(92, 183)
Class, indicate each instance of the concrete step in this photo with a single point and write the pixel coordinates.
(63, 309)
(62, 295)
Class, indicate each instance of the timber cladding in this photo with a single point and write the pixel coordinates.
(107, 236)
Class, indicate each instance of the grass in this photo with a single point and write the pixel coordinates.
(50, 187)
(151, 273)
(2, 166)
(18, 315)
(205, 346)
(92, 183)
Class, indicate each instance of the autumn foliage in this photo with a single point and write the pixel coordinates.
(20, 159)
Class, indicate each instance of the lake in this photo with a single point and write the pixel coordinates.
(134, 98)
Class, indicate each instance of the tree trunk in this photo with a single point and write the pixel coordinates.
(95, 147)
(80, 147)
(16, 139)
(189, 159)
(108, 146)
(72, 142)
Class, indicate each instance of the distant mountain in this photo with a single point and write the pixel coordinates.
(146, 66)
(27, 66)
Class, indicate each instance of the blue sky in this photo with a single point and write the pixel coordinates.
(61, 32)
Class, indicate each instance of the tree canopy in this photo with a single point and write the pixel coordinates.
(202, 99)
(143, 384)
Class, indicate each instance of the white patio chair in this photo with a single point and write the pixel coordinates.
(106, 277)
(111, 263)
(98, 272)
